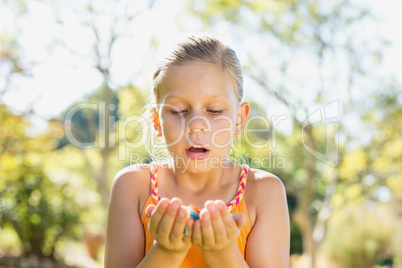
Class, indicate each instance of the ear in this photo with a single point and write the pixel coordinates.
(155, 122)
(242, 116)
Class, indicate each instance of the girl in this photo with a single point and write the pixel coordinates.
(243, 219)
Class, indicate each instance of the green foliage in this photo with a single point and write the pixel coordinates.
(293, 23)
(134, 129)
(40, 208)
(359, 237)
(68, 165)
(37, 209)
(365, 170)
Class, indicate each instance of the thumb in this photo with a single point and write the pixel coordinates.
(149, 209)
(240, 219)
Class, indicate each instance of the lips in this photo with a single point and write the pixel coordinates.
(197, 147)
(197, 151)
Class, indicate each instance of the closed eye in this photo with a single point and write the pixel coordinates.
(178, 112)
(184, 111)
(215, 111)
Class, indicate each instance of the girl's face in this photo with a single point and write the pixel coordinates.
(199, 107)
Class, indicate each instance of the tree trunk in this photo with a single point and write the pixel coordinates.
(301, 217)
(106, 149)
(102, 179)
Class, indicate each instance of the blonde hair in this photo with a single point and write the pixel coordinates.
(200, 48)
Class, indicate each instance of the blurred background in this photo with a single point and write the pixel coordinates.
(323, 78)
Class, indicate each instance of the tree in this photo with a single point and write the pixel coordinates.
(107, 24)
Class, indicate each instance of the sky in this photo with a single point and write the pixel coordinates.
(61, 77)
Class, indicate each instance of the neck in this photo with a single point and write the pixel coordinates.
(198, 177)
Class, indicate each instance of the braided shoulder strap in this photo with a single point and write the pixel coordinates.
(230, 206)
(240, 190)
(154, 182)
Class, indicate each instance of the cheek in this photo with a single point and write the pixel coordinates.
(172, 129)
(223, 132)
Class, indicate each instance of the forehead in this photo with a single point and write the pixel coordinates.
(197, 82)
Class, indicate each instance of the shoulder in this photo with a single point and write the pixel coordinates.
(133, 171)
(264, 190)
(132, 177)
(131, 186)
(264, 184)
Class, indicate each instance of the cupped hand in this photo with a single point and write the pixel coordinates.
(167, 221)
(216, 229)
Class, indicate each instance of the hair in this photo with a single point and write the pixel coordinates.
(201, 48)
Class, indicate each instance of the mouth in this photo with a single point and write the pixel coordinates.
(197, 152)
(197, 149)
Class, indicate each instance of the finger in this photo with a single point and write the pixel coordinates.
(178, 226)
(220, 205)
(232, 231)
(207, 231)
(149, 209)
(166, 224)
(197, 235)
(208, 202)
(218, 226)
(188, 230)
(240, 219)
(157, 215)
(176, 199)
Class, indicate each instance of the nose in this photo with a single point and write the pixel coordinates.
(198, 124)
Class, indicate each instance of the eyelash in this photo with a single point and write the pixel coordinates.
(215, 111)
(183, 111)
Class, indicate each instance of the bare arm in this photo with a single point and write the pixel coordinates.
(159, 257)
(269, 240)
(124, 232)
(229, 257)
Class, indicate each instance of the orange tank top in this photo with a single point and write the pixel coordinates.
(194, 257)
